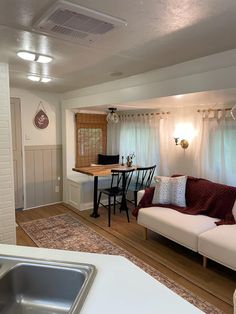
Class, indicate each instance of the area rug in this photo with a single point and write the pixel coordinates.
(68, 233)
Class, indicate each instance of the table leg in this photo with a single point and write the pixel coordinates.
(123, 205)
(95, 213)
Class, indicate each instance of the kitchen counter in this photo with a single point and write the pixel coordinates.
(119, 285)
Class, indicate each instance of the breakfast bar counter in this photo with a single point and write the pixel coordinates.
(119, 285)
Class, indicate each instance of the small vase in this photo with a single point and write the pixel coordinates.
(129, 163)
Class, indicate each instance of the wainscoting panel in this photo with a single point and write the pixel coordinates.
(43, 166)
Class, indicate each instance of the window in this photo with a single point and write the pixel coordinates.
(222, 151)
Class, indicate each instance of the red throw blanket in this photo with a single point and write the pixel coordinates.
(203, 197)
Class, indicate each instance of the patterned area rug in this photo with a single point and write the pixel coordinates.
(68, 233)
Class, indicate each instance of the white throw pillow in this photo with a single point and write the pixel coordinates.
(170, 191)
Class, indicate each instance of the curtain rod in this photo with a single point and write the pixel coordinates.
(144, 114)
(209, 110)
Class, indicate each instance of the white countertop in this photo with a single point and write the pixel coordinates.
(119, 285)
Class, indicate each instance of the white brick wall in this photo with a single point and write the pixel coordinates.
(7, 210)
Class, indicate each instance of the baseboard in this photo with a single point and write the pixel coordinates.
(42, 205)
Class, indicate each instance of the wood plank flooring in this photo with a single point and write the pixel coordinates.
(215, 284)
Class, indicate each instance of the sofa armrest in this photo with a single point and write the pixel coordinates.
(140, 195)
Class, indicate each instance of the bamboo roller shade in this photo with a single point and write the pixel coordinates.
(91, 138)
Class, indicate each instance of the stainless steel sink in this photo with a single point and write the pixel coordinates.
(40, 287)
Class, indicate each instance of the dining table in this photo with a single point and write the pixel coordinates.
(104, 171)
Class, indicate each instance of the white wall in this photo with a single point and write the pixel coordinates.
(175, 159)
(32, 136)
(7, 204)
(29, 103)
(212, 72)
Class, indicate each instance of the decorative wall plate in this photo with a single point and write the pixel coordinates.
(41, 120)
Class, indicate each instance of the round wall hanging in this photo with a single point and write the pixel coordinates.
(41, 120)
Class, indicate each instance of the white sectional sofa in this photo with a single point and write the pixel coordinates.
(181, 228)
(219, 244)
(196, 232)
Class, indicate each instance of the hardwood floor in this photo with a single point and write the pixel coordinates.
(215, 284)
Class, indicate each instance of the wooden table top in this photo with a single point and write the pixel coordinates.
(102, 170)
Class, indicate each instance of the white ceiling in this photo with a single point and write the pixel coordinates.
(201, 100)
(159, 33)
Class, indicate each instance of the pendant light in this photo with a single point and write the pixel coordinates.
(112, 116)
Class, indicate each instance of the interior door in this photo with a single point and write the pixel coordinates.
(17, 152)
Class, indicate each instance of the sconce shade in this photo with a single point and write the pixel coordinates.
(184, 144)
(112, 116)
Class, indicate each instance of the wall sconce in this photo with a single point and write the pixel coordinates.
(183, 143)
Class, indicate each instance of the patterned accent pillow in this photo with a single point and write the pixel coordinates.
(162, 192)
(178, 187)
(170, 191)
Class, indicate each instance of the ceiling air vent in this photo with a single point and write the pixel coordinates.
(73, 22)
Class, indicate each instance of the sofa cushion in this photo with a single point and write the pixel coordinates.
(170, 191)
(219, 244)
(179, 227)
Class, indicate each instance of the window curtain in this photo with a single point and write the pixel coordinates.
(217, 149)
(138, 134)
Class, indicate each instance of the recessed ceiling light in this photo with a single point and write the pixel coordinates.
(45, 79)
(34, 78)
(31, 56)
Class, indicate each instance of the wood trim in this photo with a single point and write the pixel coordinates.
(17, 151)
(42, 147)
(43, 175)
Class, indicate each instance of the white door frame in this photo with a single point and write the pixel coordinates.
(17, 148)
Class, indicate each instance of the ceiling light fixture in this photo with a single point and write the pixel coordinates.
(45, 79)
(31, 56)
(36, 78)
(112, 116)
(43, 59)
(25, 55)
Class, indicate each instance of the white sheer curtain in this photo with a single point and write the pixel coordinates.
(217, 150)
(138, 134)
